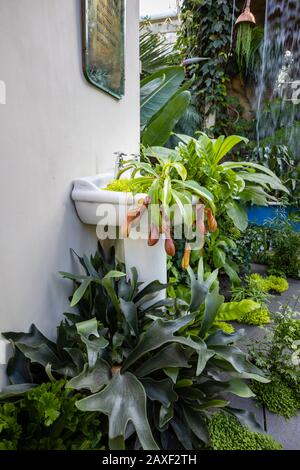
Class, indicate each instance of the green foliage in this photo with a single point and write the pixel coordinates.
(259, 317)
(138, 363)
(155, 51)
(47, 419)
(136, 185)
(285, 248)
(243, 44)
(280, 159)
(232, 184)
(278, 397)
(170, 187)
(226, 433)
(251, 289)
(164, 99)
(248, 42)
(246, 311)
(225, 327)
(10, 429)
(206, 32)
(279, 355)
(269, 284)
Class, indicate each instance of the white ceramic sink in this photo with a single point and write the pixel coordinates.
(102, 208)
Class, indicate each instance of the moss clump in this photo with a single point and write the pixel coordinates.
(226, 433)
(277, 284)
(134, 185)
(269, 284)
(277, 396)
(259, 317)
(225, 327)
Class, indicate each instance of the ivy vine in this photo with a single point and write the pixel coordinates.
(206, 31)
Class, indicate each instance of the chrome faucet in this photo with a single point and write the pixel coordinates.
(119, 162)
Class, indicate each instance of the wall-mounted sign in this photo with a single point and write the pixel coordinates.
(103, 39)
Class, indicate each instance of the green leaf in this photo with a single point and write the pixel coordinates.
(246, 418)
(165, 415)
(239, 388)
(238, 360)
(231, 272)
(219, 338)
(196, 423)
(212, 304)
(173, 356)
(129, 310)
(228, 145)
(156, 96)
(14, 391)
(149, 290)
(88, 331)
(91, 379)
(234, 310)
(159, 129)
(160, 390)
(166, 193)
(199, 292)
(219, 257)
(79, 293)
(160, 332)
(263, 179)
(198, 190)
(180, 170)
(238, 215)
(123, 401)
(114, 274)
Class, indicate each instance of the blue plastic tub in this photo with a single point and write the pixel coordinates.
(261, 215)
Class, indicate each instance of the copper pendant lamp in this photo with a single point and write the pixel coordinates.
(247, 16)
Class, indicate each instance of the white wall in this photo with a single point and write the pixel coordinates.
(54, 127)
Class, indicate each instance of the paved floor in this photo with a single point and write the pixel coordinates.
(287, 432)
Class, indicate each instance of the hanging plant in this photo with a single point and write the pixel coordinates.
(248, 42)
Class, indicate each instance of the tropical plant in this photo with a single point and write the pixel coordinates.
(155, 51)
(164, 99)
(170, 187)
(246, 311)
(206, 32)
(284, 247)
(251, 289)
(232, 184)
(227, 433)
(46, 418)
(278, 354)
(247, 48)
(281, 161)
(158, 374)
(278, 397)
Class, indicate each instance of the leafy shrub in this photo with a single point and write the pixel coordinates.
(10, 429)
(253, 288)
(269, 284)
(278, 397)
(134, 361)
(278, 354)
(47, 419)
(224, 326)
(226, 433)
(258, 317)
(134, 185)
(246, 311)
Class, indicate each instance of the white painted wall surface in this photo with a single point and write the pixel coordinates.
(54, 128)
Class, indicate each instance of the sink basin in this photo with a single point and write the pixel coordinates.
(108, 211)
